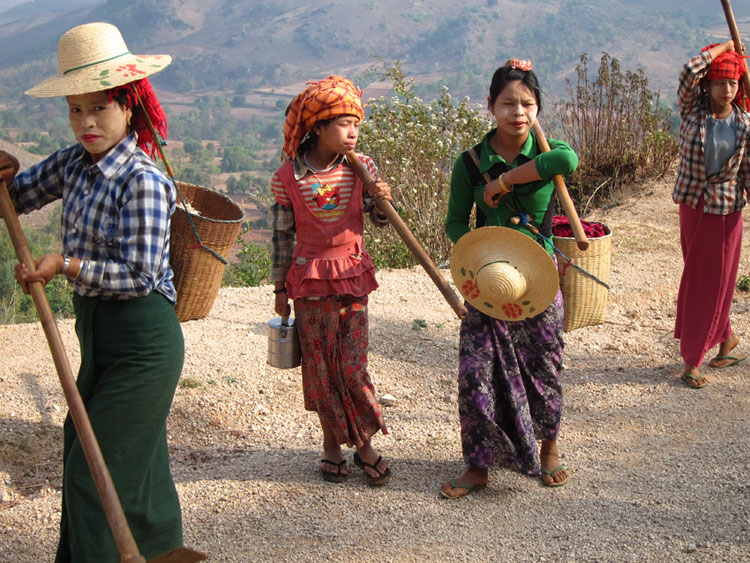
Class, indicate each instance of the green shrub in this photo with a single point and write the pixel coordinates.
(415, 144)
(253, 268)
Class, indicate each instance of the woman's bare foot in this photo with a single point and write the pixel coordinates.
(693, 378)
(553, 471)
(474, 477)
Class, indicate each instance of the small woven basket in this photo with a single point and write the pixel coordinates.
(584, 298)
(197, 272)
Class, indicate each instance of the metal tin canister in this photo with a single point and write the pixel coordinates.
(283, 343)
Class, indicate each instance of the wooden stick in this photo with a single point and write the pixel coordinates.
(735, 33)
(385, 207)
(102, 479)
(562, 193)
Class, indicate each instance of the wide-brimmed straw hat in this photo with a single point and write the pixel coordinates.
(93, 57)
(503, 273)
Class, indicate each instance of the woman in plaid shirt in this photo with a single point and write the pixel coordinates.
(116, 210)
(713, 182)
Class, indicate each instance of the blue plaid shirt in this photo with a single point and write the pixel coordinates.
(115, 217)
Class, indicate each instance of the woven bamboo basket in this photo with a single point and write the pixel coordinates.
(585, 299)
(198, 273)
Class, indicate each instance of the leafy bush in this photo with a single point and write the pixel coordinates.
(253, 268)
(619, 129)
(415, 144)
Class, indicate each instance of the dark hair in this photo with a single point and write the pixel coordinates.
(308, 142)
(506, 74)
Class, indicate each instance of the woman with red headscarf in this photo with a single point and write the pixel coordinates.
(116, 210)
(712, 187)
(320, 262)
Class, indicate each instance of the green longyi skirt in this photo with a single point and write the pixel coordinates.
(131, 359)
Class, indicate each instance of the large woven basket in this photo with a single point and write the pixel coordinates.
(585, 299)
(198, 273)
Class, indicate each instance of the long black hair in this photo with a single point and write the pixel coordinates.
(506, 74)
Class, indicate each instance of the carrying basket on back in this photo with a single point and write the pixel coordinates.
(197, 271)
(584, 294)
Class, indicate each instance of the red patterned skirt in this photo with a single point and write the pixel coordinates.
(333, 335)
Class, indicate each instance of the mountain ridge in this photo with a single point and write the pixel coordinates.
(222, 45)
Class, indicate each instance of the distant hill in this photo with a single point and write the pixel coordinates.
(235, 46)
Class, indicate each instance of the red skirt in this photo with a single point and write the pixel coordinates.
(333, 337)
(711, 247)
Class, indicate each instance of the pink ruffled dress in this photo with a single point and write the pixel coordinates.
(329, 257)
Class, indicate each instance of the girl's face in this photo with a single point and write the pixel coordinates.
(722, 92)
(98, 122)
(515, 109)
(338, 135)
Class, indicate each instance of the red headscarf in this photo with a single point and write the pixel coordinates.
(142, 99)
(730, 65)
(331, 97)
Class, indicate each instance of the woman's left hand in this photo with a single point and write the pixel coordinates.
(47, 267)
(380, 189)
(492, 193)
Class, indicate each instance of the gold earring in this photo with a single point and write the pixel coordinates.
(128, 121)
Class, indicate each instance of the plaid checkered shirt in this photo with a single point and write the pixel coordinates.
(722, 192)
(115, 217)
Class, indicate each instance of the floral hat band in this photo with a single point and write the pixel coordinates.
(94, 57)
(520, 64)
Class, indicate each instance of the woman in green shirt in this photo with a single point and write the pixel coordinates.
(509, 386)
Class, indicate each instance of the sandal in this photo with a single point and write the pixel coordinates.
(692, 380)
(468, 486)
(334, 476)
(552, 474)
(381, 479)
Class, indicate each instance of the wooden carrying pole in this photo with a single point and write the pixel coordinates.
(102, 479)
(734, 32)
(562, 193)
(385, 207)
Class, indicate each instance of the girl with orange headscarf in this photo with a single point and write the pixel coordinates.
(320, 262)
(712, 187)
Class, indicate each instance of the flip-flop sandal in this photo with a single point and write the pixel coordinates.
(468, 486)
(552, 474)
(334, 476)
(692, 380)
(381, 479)
(731, 359)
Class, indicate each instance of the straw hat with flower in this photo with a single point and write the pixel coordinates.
(93, 57)
(503, 273)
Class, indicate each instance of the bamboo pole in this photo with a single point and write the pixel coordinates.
(385, 207)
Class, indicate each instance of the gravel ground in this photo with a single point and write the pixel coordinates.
(658, 471)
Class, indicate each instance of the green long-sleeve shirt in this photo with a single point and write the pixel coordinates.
(533, 197)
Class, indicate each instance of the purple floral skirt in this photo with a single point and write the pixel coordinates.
(509, 391)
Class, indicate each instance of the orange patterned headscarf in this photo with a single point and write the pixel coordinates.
(331, 97)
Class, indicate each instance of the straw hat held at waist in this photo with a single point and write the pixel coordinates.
(503, 273)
